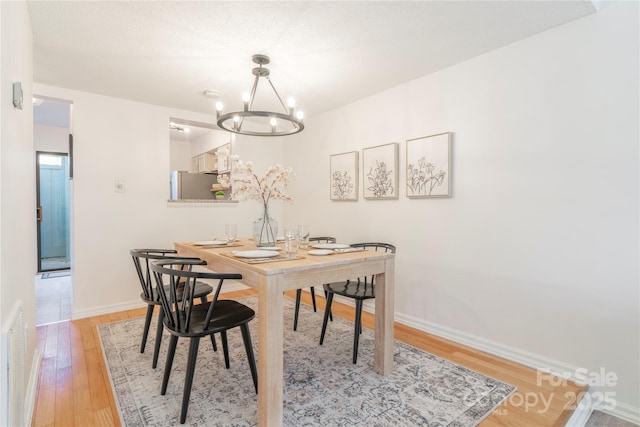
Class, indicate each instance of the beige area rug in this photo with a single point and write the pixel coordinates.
(322, 386)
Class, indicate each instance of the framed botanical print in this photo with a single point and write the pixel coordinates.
(344, 176)
(380, 172)
(429, 166)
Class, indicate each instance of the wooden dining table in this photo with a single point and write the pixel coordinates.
(274, 276)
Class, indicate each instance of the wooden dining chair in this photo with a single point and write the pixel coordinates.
(184, 318)
(313, 292)
(360, 289)
(142, 259)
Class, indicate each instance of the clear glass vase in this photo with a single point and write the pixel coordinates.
(265, 229)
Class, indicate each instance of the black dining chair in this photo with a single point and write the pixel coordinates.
(313, 292)
(142, 259)
(360, 289)
(184, 318)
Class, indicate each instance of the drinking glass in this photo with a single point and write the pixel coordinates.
(303, 236)
(232, 231)
(290, 243)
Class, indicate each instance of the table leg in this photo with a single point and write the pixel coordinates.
(270, 351)
(384, 320)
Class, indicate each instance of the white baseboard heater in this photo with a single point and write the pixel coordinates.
(13, 347)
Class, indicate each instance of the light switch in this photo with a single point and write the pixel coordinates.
(119, 185)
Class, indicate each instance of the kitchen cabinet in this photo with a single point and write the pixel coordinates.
(207, 163)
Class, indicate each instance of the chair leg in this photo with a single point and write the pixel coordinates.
(329, 309)
(188, 379)
(357, 329)
(225, 348)
(297, 310)
(313, 298)
(147, 323)
(159, 330)
(171, 351)
(246, 337)
(213, 342)
(327, 313)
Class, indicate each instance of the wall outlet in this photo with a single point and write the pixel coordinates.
(120, 186)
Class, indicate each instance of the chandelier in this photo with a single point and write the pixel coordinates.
(261, 123)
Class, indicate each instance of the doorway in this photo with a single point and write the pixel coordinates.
(52, 193)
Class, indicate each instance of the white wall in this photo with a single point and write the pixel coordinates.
(17, 165)
(179, 155)
(51, 138)
(536, 254)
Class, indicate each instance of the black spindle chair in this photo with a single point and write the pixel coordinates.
(141, 260)
(313, 292)
(361, 289)
(183, 318)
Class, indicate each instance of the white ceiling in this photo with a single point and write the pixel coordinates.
(325, 54)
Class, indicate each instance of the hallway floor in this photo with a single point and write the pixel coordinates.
(53, 297)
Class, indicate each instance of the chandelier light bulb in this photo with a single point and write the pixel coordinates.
(219, 106)
(187, 130)
(291, 103)
(300, 115)
(273, 121)
(245, 100)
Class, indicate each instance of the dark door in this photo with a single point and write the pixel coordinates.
(52, 181)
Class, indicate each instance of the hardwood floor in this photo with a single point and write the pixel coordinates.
(74, 388)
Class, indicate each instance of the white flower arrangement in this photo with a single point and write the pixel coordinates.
(247, 185)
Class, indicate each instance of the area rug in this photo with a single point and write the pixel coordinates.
(322, 386)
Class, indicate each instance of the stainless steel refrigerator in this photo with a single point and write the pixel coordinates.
(185, 185)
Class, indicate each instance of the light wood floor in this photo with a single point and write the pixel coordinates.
(74, 388)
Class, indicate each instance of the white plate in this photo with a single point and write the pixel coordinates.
(331, 246)
(321, 252)
(210, 242)
(255, 254)
(270, 248)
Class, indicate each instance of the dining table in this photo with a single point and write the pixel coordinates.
(272, 276)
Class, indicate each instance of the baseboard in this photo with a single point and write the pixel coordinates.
(232, 286)
(580, 416)
(32, 388)
(585, 409)
(624, 411)
(137, 303)
(107, 309)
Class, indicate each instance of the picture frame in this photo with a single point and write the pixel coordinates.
(343, 176)
(380, 172)
(429, 166)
